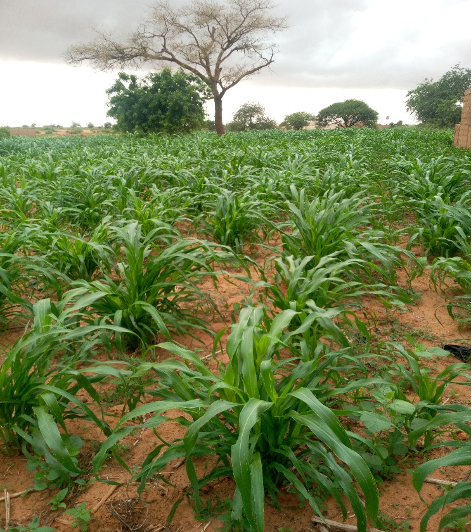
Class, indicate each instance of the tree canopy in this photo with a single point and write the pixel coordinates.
(297, 120)
(220, 42)
(166, 102)
(251, 116)
(437, 103)
(348, 114)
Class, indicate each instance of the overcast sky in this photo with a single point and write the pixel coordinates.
(333, 50)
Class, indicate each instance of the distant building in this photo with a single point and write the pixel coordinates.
(462, 130)
(314, 124)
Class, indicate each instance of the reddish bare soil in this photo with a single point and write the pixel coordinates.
(118, 508)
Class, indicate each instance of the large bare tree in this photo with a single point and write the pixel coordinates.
(220, 42)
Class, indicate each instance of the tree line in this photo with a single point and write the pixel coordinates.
(174, 102)
(216, 45)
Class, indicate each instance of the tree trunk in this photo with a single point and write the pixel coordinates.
(220, 129)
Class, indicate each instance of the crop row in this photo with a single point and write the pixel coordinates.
(95, 255)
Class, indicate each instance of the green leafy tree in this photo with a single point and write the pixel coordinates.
(166, 102)
(249, 117)
(437, 103)
(297, 120)
(348, 114)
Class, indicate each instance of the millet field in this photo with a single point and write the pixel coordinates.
(238, 333)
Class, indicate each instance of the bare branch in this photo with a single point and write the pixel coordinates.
(222, 43)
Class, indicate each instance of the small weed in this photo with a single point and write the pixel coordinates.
(225, 509)
(58, 501)
(211, 508)
(389, 523)
(52, 476)
(32, 527)
(460, 525)
(81, 516)
(452, 393)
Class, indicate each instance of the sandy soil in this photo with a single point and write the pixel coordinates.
(118, 508)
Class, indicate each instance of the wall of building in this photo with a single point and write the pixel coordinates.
(462, 130)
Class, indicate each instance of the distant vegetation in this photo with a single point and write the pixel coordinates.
(251, 117)
(297, 120)
(160, 102)
(348, 114)
(437, 103)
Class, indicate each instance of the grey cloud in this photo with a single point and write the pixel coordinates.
(306, 54)
(42, 30)
(32, 30)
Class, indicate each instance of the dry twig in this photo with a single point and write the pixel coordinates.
(438, 482)
(341, 526)
(127, 507)
(6, 498)
(210, 355)
(179, 463)
(105, 497)
(63, 521)
(15, 495)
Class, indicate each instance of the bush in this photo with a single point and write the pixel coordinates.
(348, 114)
(75, 131)
(297, 120)
(160, 102)
(251, 116)
(209, 125)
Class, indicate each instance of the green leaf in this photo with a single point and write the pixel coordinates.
(453, 516)
(323, 413)
(458, 457)
(267, 377)
(402, 407)
(257, 490)
(352, 459)
(459, 491)
(375, 422)
(191, 436)
(52, 437)
(242, 456)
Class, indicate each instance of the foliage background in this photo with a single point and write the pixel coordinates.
(160, 102)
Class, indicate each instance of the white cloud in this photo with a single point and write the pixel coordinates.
(44, 93)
